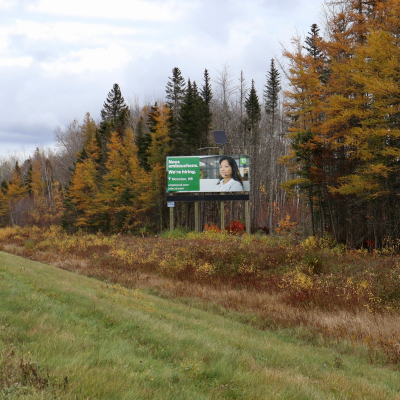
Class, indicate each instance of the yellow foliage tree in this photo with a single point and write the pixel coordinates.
(157, 152)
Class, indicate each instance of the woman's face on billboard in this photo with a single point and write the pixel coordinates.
(225, 169)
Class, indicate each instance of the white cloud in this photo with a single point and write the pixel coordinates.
(16, 61)
(100, 59)
(68, 31)
(7, 4)
(117, 9)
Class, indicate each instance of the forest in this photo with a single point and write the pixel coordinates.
(323, 139)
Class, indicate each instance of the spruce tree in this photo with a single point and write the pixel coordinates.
(253, 108)
(271, 99)
(311, 42)
(253, 117)
(314, 47)
(185, 138)
(114, 108)
(205, 110)
(271, 91)
(142, 140)
(175, 94)
(175, 89)
(114, 117)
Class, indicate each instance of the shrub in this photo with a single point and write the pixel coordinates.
(177, 233)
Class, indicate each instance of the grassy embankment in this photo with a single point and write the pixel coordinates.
(63, 335)
(330, 293)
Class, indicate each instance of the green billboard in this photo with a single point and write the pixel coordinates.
(183, 174)
(208, 174)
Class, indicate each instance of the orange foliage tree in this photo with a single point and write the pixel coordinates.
(345, 133)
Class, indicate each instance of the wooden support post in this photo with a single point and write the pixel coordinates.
(222, 203)
(222, 215)
(247, 215)
(196, 216)
(171, 218)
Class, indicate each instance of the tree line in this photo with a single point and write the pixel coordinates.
(325, 150)
(110, 175)
(343, 104)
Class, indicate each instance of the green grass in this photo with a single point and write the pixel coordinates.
(114, 343)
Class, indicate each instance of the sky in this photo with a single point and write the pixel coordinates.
(59, 59)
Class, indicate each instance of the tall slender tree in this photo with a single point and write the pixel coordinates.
(175, 94)
(188, 137)
(114, 117)
(271, 99)
(205, 109)
(253, 112)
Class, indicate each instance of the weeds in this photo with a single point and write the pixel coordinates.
(21, 376)
(314, 276)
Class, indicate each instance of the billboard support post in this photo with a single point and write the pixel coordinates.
(222, 202)
(247, 209)
(196, 217)
(171, 219)
(222, 215)
(247, 215)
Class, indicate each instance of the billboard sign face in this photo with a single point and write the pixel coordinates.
(203, 174)
(183, 174)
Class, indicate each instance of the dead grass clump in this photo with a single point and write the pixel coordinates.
(21, 377)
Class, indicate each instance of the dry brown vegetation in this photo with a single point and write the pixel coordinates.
(334, 293)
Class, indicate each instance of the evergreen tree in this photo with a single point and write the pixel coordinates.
(114, 109)
(271, 99)
(142, 140)
(90, 134)
(314, 45)
(272, 90)
(175, 94)
(114, 117)
(175, 89)
(205, 110)
(82, 197)
(253, 117)
(157, 153)
(312, 42)
(253, 108)
(187, 139)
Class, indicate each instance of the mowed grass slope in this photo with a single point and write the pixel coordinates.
(94, 340)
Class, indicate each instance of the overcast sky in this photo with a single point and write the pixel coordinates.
(59, 59)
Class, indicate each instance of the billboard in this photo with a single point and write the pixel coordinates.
(205, 174)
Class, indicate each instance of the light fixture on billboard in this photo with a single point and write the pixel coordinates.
(220, 137)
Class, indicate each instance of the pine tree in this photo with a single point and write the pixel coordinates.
(175, 94)
(312, 42)
(114, 117)
(82, 197)
(160, 136)
(157, 153)
(305, 107)
(120, 203)
(205, 110)
(187, 140)
(16, 193)
(253, 108)
(114, 109)
(345, 125)
(253, 113)
(271, 99)
(175, 89)
(142, 140)
(272, 90)
(91, 135)
(39, 211)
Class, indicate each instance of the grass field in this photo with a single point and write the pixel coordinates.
(63, 335)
